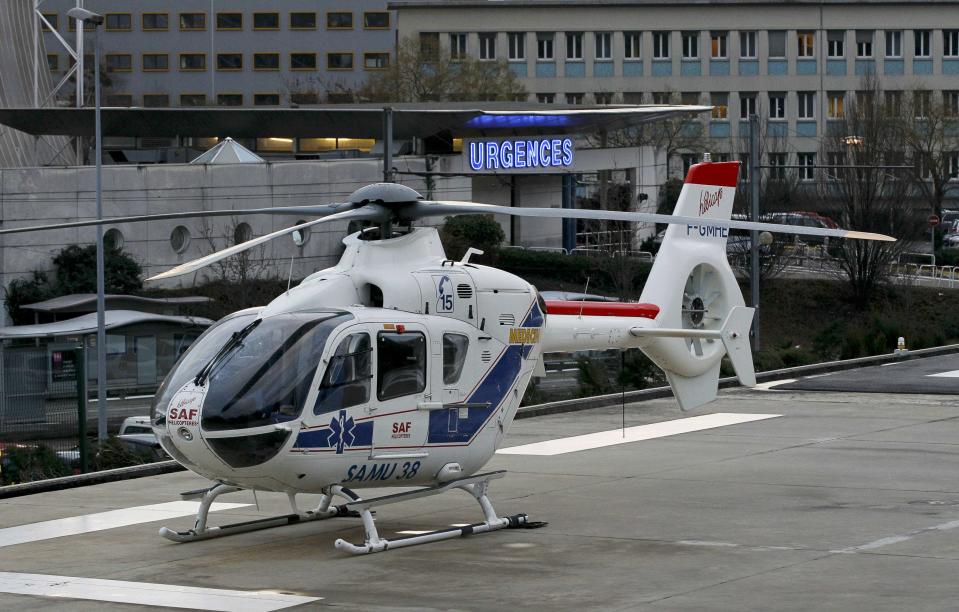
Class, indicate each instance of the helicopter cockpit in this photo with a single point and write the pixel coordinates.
(254, 373)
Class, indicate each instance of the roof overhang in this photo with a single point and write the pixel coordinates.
(87, 324)
(342, 121)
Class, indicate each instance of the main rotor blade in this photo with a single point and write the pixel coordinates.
(305, 211)
(369, 212)
(430, 208)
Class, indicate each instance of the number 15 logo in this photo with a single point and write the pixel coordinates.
(444, 294)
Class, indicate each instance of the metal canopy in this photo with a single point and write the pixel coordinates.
(343, 120)
(87, 302)
(87, 324)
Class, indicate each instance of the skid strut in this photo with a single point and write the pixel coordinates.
(201, 531)
(475, 485)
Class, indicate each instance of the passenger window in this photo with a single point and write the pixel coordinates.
(401, 364)
(454, 356)
(347, 379)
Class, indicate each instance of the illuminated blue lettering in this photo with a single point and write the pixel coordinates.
(492, 157)
(532, 154)
(567, 151)
(519, 153)
(506, 154)
(544, 154)
(476, 155)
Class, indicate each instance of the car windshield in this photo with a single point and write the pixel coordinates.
(265, 378)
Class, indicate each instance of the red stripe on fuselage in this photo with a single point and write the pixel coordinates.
(602, 309)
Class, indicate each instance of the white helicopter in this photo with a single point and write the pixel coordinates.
(399, 367)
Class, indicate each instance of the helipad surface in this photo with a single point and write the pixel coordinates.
(845, 501)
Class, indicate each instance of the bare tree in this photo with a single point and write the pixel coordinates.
(864, 195)
(931, 133)
(424, 72)
(251, 264)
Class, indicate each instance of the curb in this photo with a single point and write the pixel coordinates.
(599, 401)
(571, 405)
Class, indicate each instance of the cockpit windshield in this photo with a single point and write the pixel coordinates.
(266, 377)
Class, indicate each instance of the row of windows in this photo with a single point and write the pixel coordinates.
(192, 62)
(196, 22)
(805, 44)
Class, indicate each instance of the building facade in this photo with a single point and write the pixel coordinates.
(229, 53)
(797, 65)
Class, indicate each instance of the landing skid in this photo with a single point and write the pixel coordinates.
(474, 485)
(201, 531)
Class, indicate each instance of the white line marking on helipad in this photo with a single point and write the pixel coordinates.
(147, 593)
(633, 434)
(766, 386)
(898, 538)
(74, 525)
(950, 374)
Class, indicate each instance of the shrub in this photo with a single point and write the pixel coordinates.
(28, 463)
(478, 231)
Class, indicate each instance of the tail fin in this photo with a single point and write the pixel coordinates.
(695, 289)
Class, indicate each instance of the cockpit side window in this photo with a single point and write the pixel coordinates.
(454, 357)
(400, 364)
(347, 379)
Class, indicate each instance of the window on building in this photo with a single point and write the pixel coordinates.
(376, 20)
(192, 61)
(720, 104)
(192, 22)
(487, 43)
(155, 22)
(192, 99)
(893, 102)
(401, 359)
(303, 20)
(156, 100)
(836, 105)
(574, 98)
(604, 45)
(229, 61)
(118, 22)
(517, 45)
(633, 97)
(72, 25)
(747, 45)
(229, 21)
(806, 170)
(777, 106)
(545, 98)
(865, 101)
(266, 99)
(747, 105)
(118, 99)
(717, 42)
(690, 98)
(807, 104)
(339, 20)
(950, 103)
(304, 97)
(632, 43)
(457, 46)
(544, 46)
(119, 62)
(661, 45)
(690, 45)
(864, 43)
(430, 46)
(156, 62)
(376, 61)
(893, 43)
(688, 160)
(266, 21)
(923, 43)
(744, 166)
(662, 97)
(53, 62)
(805, 44)
(603, 97)
(954, 166)
(835, 160)
(266, 61)
(777, 43)
(922, 103)
(53, 19)
(229, 99)
(950, 43)
(836, 43)
(778, 163)
(339, 61)
(302, 61)
(574, 46)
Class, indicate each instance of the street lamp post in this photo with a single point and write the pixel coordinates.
(84, 16)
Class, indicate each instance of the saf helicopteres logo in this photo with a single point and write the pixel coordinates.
(708, 200)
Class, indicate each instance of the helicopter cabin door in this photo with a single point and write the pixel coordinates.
(402, 388)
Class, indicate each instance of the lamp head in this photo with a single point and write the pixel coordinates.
(86, 16)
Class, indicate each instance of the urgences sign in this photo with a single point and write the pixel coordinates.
(540, 154)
